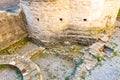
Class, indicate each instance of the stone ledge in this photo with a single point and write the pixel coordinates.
(13, 27)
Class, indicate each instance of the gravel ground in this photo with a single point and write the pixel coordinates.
(9, 74)
(110, 69)
(53, 67)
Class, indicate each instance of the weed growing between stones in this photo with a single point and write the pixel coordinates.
(12, 48)
(67, 78)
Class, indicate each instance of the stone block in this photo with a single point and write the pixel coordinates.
(13, 27)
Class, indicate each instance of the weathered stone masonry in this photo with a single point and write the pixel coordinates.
(12, 28)
(74, 20)
(57, 21)
(12, 23)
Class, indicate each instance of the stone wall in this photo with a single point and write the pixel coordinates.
(58, 21)
(108, 13)
(51, 20)
(94, 13)
(8, 3)
(12, 27)
(42, 15)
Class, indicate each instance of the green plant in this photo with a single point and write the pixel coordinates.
(12, 48)
(57, 53)
(77, 65)
(80, 62)
(37, 74)
(115, 53)
(99, 57)
(67, 78)
(68, 49)
(23, 41)
(83, 77)
(2, 66)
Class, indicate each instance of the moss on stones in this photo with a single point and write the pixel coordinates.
(12, 48)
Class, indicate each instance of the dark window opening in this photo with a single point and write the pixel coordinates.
(61, 19)
(84, 19)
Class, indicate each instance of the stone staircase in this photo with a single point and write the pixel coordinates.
(83, 37)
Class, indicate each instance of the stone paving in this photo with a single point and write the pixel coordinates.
(110, 69)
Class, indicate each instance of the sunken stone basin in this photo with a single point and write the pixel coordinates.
(10, 72)
(28, 69)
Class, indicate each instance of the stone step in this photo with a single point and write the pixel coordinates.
(78, 32)
(77, 36)
(83, 40)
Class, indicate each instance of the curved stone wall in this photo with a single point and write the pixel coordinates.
(30, 70)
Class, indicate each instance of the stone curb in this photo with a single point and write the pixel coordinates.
(26, 66)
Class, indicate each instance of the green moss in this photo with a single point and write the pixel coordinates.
(23, 41)
(68, 49)
(118, 13)
(57, 53)
(81, 62)
(99, 57)
(115, 53)
(12, 48)
(5, 51)
(37, 74)
(2, 66)
(67, 78)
